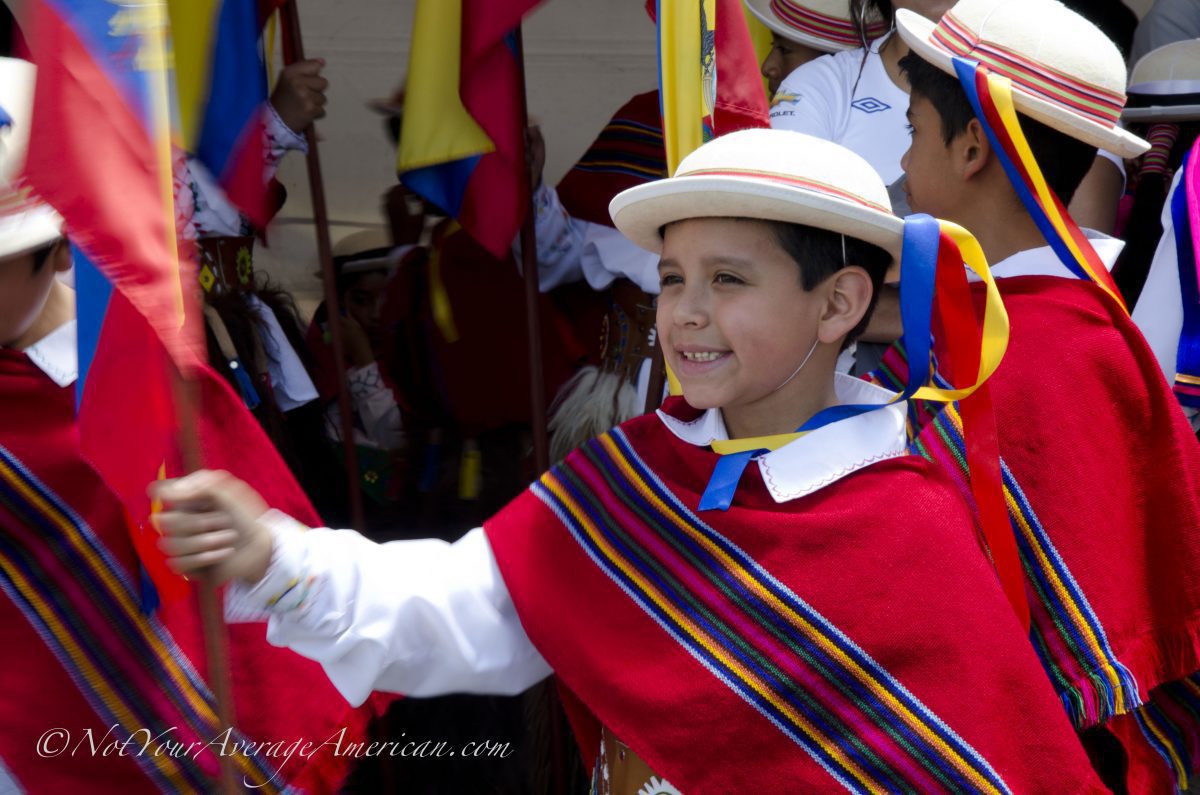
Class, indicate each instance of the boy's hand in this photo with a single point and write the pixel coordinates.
(299, 96)
(210, 521)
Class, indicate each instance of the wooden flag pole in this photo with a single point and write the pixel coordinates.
(533, 320)
(293, 51)
(212, 616)
(537, 398)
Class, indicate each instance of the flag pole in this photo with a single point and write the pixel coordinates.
(293, 51)
(537, 398)
(186, 395)
(212, 617)
(533, 321)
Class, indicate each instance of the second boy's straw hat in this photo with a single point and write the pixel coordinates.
(772, 175)
(1065, 71)
(1165, 84)
(824, 25)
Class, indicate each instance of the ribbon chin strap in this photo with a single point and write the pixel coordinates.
(932, 255)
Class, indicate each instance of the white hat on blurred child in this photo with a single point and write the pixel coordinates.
(1165, 84)
(25, 224)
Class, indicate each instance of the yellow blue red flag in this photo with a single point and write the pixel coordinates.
(462, 139)
(709, 82)
(221, 83)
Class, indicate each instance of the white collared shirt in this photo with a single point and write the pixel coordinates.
(1042, 261)
(56, 354)
(428, 617)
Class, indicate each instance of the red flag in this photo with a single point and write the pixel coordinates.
(491, 87)
(741, 99)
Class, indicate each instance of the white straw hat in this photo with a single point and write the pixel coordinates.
(821, 24)
(1165, 84)
(771, 175)
(25, 224)
(1065, 71)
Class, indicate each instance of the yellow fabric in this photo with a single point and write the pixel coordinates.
(436, 127)
(194, 23)
(680, 78)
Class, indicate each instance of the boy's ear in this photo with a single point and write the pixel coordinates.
(974, 149)
(847, 297)
(60, 257)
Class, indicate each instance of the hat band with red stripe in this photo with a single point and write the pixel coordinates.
(789, 181)
(822, 26)
(1100, 105)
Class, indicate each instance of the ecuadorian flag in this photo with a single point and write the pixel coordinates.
(462, 140)
(709, 82)
(221, 83)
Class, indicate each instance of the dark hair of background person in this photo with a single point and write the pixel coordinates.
(1111, 16)
(1064, 161)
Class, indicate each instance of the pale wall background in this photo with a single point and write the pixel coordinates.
(584, 59)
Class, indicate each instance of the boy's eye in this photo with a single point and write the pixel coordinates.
(727, 278)
(909, 127)
(668, 279)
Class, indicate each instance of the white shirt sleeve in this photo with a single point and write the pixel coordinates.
(424, 618)
(812, 100)
(376, 406)
(1159, 310)
(571, 249)
(559, 241)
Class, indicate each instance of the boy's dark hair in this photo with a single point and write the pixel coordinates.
(1064, 160)
(819, 254)
(42, 255)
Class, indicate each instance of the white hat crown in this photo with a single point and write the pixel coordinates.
(25, 224)
(771, 175)
(807, 163)
(1165, 84)
(1065, 72)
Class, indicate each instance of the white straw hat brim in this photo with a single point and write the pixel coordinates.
(641, 212)
(761, 9)
(28, 229)
(917, 32)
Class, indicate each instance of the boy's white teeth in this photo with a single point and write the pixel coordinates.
(701, 356)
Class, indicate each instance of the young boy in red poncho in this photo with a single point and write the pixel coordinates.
(836, 626)
(1101, 469)
(98, 689)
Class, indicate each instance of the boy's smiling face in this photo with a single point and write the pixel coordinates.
(733, 318)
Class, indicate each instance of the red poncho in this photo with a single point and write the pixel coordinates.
(81, 657)
(1102, 473)
(854, 635)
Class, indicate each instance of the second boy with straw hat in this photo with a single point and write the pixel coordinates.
(835, 626)
(1010, 99)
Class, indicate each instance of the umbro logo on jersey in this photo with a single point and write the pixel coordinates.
(869, 105)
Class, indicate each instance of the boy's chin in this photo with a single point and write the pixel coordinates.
(702, 399)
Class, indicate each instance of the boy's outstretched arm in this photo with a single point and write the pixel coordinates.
(211, 521)
(423, 618)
